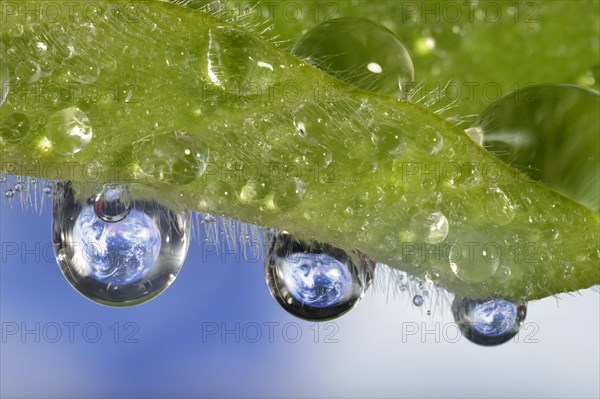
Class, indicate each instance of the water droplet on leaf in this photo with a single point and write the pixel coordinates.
(69, 131)
(429, 227)
(499, 208)
(360, 52)
(474, 257)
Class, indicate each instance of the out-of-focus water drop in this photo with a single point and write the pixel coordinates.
(113, 203)
(360, 52)
(549, 132)
(315, 281)
(488, 322)
(121, 263)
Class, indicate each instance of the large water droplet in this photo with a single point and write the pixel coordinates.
(123, 263)
(315, 281)
(113, 203)
(4, 80)
(69, 131)
(359, 52)
(499, 208)
(82, 70)
(488, 322)
(523, 128)
(474, 257)
(14, 127)
(429, 227)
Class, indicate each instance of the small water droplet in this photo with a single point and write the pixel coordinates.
(499, 208)
(82, 70)
(147, 246)
(9, 193)
(69, 131)
(360, 52)
(418, 300)
(429, 227)
(288, 194)
(488, 322)
(176, 55)
(14, 127)
(315, 281)
(474, 257)
(113, 203)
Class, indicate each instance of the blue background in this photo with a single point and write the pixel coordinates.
(362, 354)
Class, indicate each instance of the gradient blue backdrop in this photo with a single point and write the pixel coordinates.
(369, 355)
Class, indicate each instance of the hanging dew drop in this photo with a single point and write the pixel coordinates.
(9, 193)
(315, 281)
(121, 263)
(113, 203)
(360, 52)
(488, 322)
(69, 131)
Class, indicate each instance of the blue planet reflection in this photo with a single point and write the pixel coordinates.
(495, 317)
(115, 253)
(317, 280)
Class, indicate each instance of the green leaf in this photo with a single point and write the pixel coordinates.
(221, 120)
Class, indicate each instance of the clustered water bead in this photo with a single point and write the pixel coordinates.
(315, 281)
(360, 52)
(126, 260)
(488, 322)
